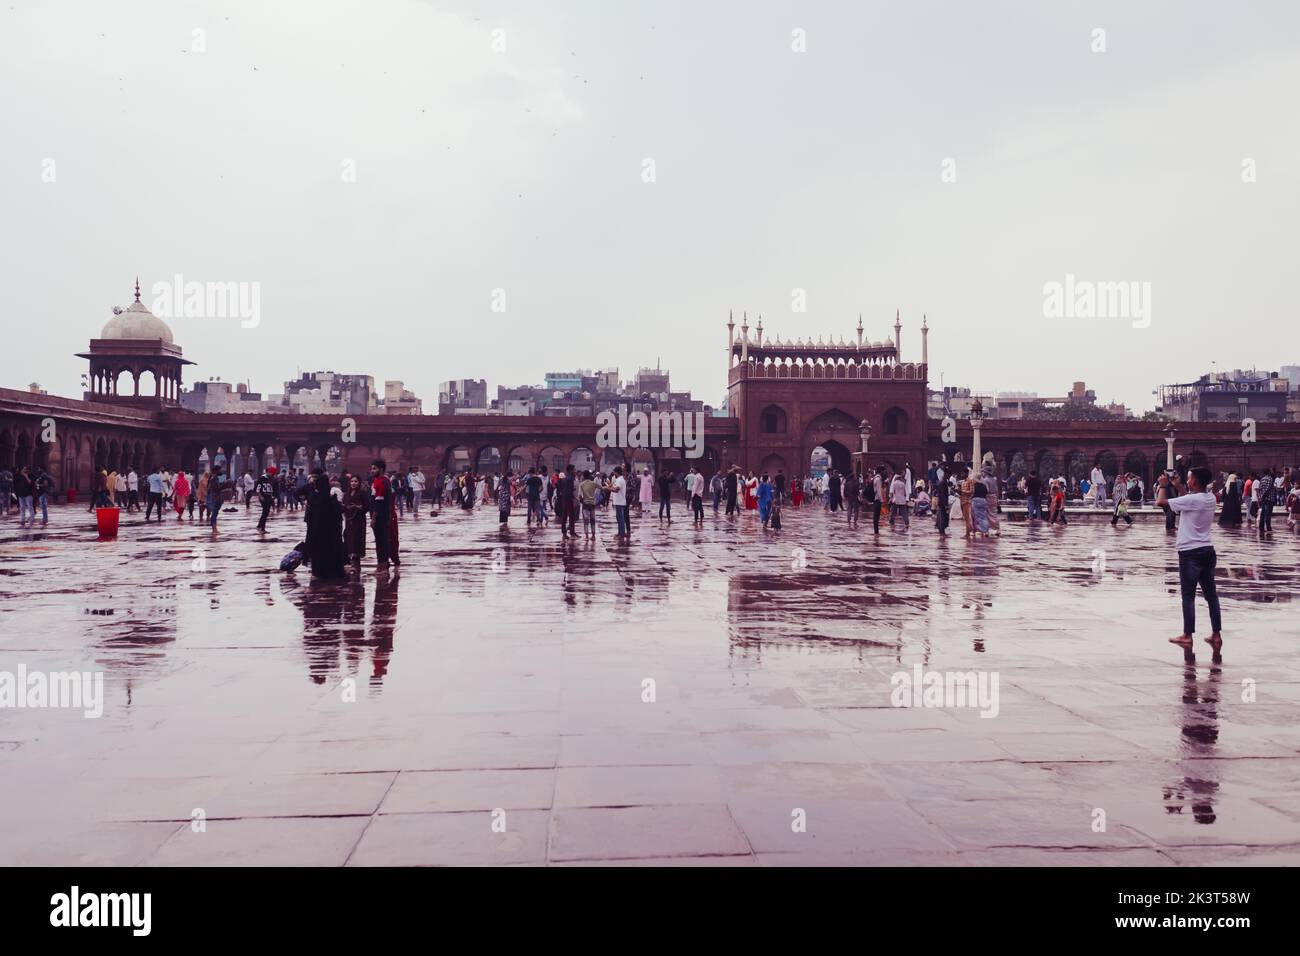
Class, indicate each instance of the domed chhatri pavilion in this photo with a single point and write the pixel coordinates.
(135, 361)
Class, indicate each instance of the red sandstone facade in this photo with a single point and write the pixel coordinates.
(784, 400)
(790, 398)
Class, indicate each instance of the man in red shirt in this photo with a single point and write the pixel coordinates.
(382, 517)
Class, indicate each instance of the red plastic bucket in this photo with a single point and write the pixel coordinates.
(107, 520)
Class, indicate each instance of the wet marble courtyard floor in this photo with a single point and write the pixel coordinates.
(718, 696)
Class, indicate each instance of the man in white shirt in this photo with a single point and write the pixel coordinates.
(695, 488)
(1196, 556)
(132, 491)
(877, 500)
(415, 478)
(618, 497)
(1098, 479)
(898, 500)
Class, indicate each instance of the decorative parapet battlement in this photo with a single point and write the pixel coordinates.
(828, 369)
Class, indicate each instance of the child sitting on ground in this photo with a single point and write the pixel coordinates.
(295, 558)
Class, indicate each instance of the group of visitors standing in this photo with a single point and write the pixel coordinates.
(1253, 499)
(338, 512)
(28, 488)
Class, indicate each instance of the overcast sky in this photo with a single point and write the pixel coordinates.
(523, 169)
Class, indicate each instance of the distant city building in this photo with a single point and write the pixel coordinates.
(216, 397)
(1231, 396)
(607, 380)
(1015, 405)
(956, 402)
(329, 392)
(650, 381)
(399, 400)
(462, 393)
(582, 393)
(1079, 402)
(566, 381)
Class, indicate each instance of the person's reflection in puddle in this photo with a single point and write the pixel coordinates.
(1199, 740)
(335, 635)
(383, 624)
(322, 603)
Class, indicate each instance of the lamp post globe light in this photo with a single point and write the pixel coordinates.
(864, 433)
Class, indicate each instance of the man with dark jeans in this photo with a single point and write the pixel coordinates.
(155, 499)
(44, 488)
(1196, 556)
(695, 495)
(533, 489)
(214, 497)
(780, 486)
(730, 487)
(564, 509)
(618, 496)
(24, 489)
(666, 482)
(942, 505)
(1267, 499)
(264, 488)
(1033, 496)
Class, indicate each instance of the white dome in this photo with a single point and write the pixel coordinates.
(136, 322)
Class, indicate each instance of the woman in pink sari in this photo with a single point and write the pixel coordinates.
(180, 493)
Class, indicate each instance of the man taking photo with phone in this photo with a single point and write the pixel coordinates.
(1194, 506)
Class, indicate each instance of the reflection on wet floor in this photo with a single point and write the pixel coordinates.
(1200, 734)
(509, 669)
(337, 635)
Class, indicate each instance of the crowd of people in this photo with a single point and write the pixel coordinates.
(343, 512)
(949, 494)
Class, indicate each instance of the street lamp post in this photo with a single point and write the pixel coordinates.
(976, 420)
(864, 433)
(1169, 447)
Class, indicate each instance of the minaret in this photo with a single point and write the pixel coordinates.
(925, 347)
(744, 338)
(760, 330)
(898, 337)
(859, 330)
(731, 334)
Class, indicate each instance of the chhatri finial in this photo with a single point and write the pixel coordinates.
(137, 288)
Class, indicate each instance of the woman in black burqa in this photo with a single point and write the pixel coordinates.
(324, 529)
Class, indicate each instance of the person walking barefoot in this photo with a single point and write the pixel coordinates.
(1196, 556)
